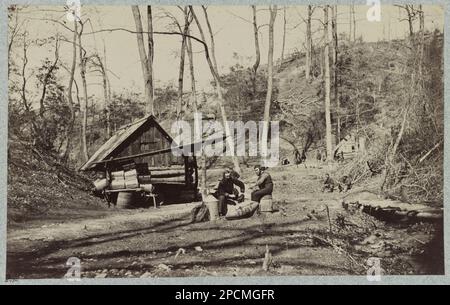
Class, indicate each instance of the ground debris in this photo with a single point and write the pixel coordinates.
(164, 267)
(180, 251)
(146, 275)
(267, 259)
(101, 276)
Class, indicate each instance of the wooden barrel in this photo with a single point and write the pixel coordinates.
(266, 204)
(101, 184)
(125, 200)
(213, 206)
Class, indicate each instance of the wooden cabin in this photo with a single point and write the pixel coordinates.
(350, 146)
(138, 158)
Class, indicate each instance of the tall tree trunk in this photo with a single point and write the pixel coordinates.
(215, 74)
(143, 58)
(151, 55)
(354, 22)
(43, 123)
(107, 95)
(83, 59)
(308, 43)
(211, 37)
(203, 159)
(192, 72)
(327, 85)
(391, 153)
(265, 132)
(422, 40)
(284, 35)
(69, 129)
(257, 52)
(335, 71)
(182, 60)
(350, 23)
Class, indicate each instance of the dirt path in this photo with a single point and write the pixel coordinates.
(154, 243)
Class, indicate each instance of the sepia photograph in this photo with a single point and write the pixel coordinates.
(192, 141)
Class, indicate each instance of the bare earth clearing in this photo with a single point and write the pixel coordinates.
(163, 243)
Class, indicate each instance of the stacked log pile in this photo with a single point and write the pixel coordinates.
(117, 180)
(131, 179)
(164, 175)
(168, 175)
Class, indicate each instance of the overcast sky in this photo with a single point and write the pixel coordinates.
(233, 36)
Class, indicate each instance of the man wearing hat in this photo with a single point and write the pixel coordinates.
(264, 184)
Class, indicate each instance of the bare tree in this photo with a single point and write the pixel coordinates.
(422, 38)
(83, 61)
(335, 70)
(211, 37)
(308, 43)
(350, 18)
(151, 55)
(283, 45)
(69, 92)
(410, 17)
(327, 84)
(257, 51)
(46, 78)
(354, 22)
(23, 90)
(107, 93)
(203, 158)
(215, 73)
(192, 74)
(187, 21)
(99, 67)
(265, 132)
(13, 31)
(144, 60)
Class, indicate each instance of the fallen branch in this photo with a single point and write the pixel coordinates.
(339, 250)
(429, 152)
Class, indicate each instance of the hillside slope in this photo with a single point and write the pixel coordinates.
(39, 188)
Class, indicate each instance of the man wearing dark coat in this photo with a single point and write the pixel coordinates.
(227, 192)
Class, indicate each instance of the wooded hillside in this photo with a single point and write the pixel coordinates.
(390, 92)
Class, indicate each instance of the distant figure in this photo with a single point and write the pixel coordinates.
(328, 184)
(304, 157)
(264, 184)
(285, 161)
(345, 184)
(297, 157)
(226, 191)
(339, 157)
(319, 156)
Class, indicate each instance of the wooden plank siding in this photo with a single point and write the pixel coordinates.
(149, 139)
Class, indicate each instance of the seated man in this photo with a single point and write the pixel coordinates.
(264, 184)
(226, 191)
(328, 184)
(345, 184)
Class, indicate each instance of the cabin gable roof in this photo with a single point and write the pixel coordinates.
(110, 147)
